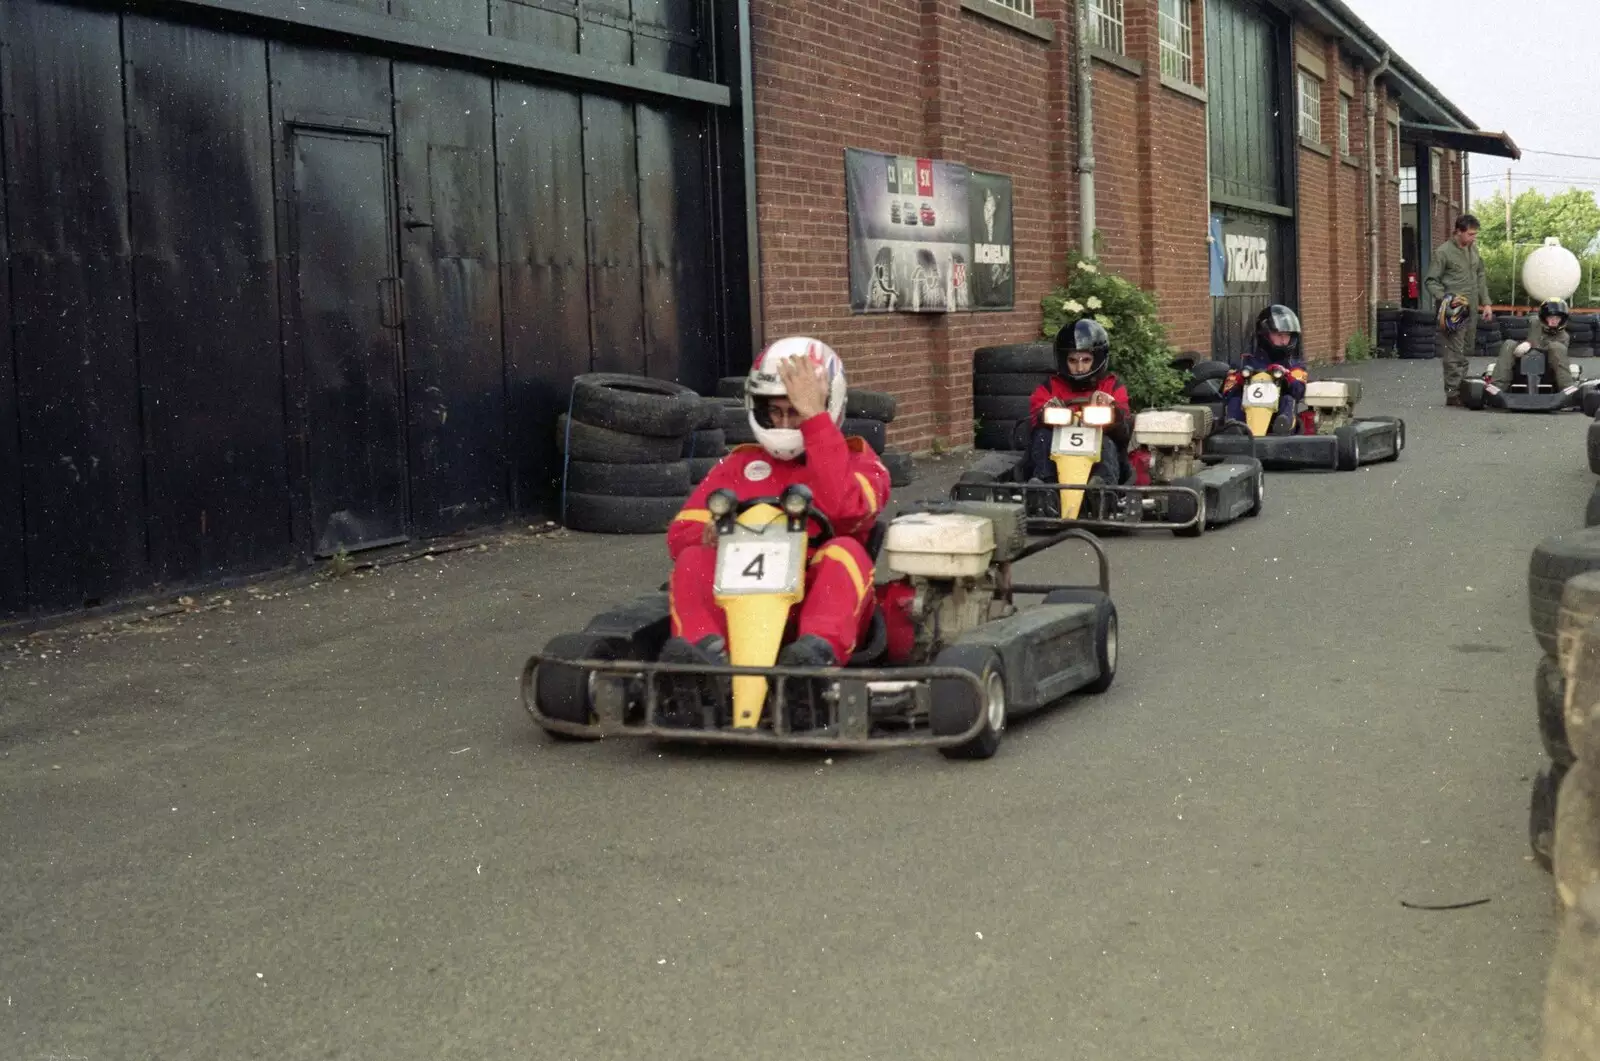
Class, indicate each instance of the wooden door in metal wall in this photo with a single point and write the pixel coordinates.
(1245, 267)
(347, 317)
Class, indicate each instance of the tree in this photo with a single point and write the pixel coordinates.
(1571, 216)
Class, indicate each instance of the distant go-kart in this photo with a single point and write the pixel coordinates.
(1339, 441)
(1532, 389)
(1189, 493)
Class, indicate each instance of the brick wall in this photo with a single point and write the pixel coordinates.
(928, 78)
(830, 76)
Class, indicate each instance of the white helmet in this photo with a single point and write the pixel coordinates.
(787, 443)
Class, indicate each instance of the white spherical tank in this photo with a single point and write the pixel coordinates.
(1552, 271)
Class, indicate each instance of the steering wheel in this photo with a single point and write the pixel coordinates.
(823, 523)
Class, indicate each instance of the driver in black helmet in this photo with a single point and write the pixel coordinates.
(1083, 374)
(1276, 352)
(1547, 333)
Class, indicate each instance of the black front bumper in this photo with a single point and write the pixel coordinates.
(1377, 440)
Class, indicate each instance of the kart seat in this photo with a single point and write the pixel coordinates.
(876, 644)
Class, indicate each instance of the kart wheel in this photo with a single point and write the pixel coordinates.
(1261, 494)
(1183, 508)
(1106, 631)
(1591, 401)
(951, 711)
(1348, 440)
(566, 694)
(1399, 432)
(902, 469)
(1472, 393)
(1591, 514)
(1550, 694)
(1594, 447)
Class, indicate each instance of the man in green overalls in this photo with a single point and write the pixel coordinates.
(1457, 269)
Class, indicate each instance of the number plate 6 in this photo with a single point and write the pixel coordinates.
(1076, 442)
(1261, 395)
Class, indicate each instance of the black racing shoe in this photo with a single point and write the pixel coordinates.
(807, 709)
(1045, 504)
(685, 695)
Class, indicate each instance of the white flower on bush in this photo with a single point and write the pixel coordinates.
(1093, 303)
(1086, 267)
(1072, 306)
(1105, 322)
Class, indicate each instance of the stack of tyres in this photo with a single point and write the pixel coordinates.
(1489, 338)
(1563, 602)
(624, 443)
(1419, 334)
(1389, 330)
(1584, 332)
(867, 414)
(1003, 381)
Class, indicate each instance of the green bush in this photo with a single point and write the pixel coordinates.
(1140, 354)
(1358, 348)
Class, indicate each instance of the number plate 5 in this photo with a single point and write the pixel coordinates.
(752, 566)
(1261, 395)
(1076, 442)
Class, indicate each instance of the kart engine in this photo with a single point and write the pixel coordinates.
(1334, 401)
(956, 556)
(1173, 438)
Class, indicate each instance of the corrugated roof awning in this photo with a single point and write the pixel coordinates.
(1475, 141)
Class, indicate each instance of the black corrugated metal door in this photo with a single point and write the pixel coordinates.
(1251, 183)
(347, 310)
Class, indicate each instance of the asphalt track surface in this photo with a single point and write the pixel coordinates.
(316, 823)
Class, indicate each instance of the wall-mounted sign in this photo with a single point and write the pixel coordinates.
(927, 236)
(1247, 258)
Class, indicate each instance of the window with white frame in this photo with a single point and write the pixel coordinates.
(1177, 40)
(1310, 107)
(1106, 25)
(1021, 7)
(1344, 124)
(1408, 186)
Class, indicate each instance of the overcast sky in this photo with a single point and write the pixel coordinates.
(1469, 50)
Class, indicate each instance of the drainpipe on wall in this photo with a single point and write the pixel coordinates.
(1086, 220)
(1373, 228)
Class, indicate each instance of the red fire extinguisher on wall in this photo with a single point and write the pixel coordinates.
(1411, 285)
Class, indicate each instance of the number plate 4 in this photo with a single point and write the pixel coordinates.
(760, 564)
(1076, 442)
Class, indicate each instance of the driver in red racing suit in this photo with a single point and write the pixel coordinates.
(795, 397)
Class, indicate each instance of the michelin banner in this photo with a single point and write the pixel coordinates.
(927, 236)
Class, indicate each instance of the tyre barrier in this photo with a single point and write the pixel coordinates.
(635, 447)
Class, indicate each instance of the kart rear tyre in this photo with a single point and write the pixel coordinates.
(951, 711)
(1594, 447)
(1106, 632)
(1182, 508)
(1591, 401)
(562, 693)
(1348, 452)
(1399, 433)
(1472, 393)
(1260, 495)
